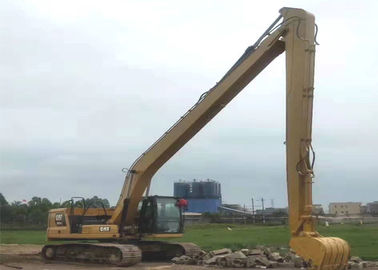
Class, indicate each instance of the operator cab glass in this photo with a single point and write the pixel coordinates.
(160, 215)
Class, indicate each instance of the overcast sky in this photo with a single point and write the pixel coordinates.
(87, 86)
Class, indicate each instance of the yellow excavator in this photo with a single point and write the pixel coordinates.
(119, 231)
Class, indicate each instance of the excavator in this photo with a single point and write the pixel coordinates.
(119, 232)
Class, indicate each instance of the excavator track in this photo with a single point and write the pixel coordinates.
(107, 253)
(162, 251)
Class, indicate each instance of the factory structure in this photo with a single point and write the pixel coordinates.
(345, 208)
(203, 196)
(353, 208)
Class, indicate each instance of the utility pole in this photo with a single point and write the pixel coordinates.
(253, 210)
(263, 216)
(244, 217)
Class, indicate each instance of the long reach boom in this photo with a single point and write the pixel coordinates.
(292, 32)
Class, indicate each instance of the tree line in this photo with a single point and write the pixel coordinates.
(20, 214)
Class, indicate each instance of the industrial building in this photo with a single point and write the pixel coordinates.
(345, 208)
(202, 196)
(372, 208)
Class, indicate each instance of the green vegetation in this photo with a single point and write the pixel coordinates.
(214, 236)
(362, 238)
(33, 214)
(23, 237)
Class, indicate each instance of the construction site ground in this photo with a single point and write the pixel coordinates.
(362, 238)
(17, 256)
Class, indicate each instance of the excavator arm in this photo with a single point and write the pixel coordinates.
(294, 35)
(210, 103)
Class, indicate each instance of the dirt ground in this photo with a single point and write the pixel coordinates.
(28, 257)
(14, 256)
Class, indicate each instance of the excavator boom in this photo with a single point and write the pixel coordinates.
(211, 102)
(294, 36)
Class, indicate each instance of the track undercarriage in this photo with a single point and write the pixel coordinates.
(106, 253)
(119, 254)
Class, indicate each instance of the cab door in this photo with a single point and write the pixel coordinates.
(147, 216)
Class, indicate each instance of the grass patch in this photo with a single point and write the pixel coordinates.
(362, 238)
(214, 236)
(23, 237)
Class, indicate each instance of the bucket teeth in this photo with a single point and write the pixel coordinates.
(323, 253)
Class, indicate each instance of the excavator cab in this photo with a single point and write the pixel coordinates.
(160, 215)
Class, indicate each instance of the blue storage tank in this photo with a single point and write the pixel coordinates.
(202, 196)
(181, 189)
(196, 190)
(211, 189)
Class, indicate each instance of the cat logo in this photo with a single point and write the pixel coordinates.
(59, 219)
(104, 228)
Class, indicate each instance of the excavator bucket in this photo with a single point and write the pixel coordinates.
(323, 253)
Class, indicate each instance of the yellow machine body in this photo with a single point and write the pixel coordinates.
(59, 225)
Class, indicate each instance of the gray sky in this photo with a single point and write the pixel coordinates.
(87, 86)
